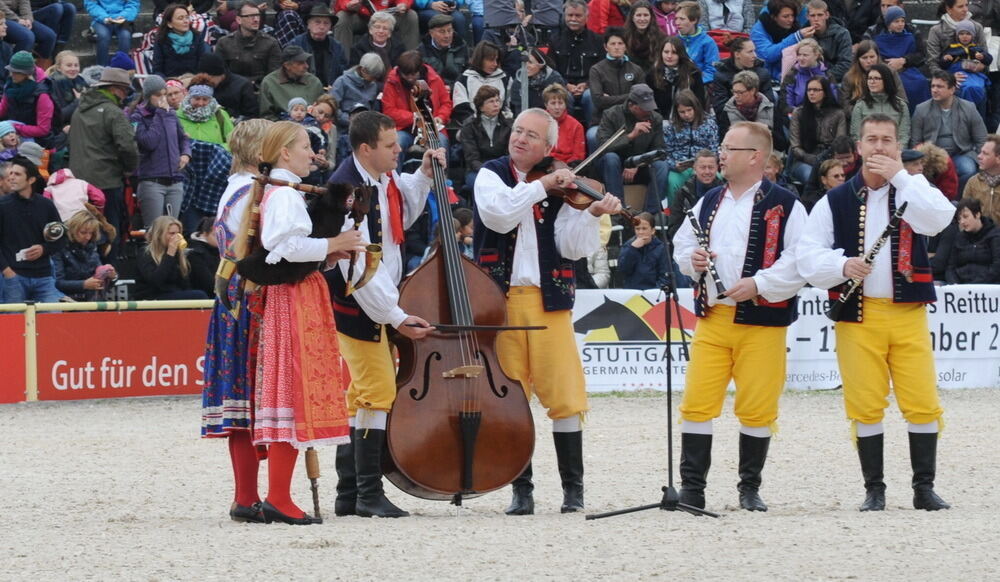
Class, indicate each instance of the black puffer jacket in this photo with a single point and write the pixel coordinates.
(975, 258)
(478, 148)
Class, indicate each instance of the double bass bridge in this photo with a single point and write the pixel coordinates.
(465, 371)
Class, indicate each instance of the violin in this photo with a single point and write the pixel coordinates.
(587, 190)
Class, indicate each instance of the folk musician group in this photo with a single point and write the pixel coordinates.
(272, 388)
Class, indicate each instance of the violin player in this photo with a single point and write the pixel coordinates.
(362, 316)
(752, 227)
(527, 240)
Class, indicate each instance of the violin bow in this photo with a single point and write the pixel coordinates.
(600, 150)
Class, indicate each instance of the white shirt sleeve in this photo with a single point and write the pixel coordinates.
(928, 211)
(816, 259)
(686, 243)
(501, 207)
(781, 280)
(577, 232)
(285, 229)
(414, 188)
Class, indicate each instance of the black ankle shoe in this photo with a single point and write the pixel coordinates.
(928, 500)
(874, 500)
(271, 514)
(750, 500)
(522, 503)
(692, 497)
(247, 514)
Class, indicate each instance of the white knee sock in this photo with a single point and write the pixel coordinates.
(761, 432)
(571, 424)
(925, 428)
(371, 419)
(867, 430)
(692, 427)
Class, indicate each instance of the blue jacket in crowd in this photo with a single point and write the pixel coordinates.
(643, 268)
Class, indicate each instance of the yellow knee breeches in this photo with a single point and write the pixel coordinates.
(893, 343)
(752, 355)
(373, 373)
(546, 362)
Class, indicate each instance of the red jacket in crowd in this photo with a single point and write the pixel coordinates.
(603, 13)
(396, 98)
(572, 144)
(379, 5)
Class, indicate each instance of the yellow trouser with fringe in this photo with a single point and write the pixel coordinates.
(893, 342)
(752, 355)
(373, 373)
(547, 362)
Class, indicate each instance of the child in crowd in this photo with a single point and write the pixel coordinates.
(9, 140)
(961, 56)
(463, 230)
(773, 168)
(320, 120)
(297, 109)
(700, 47)
(69, 194)
(665, 12)
(66, 84)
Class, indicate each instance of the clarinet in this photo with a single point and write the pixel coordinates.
(703, 243)
(854, 284)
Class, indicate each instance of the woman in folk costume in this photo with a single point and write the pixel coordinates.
(897, 42)
(298, 395)
(226, 397)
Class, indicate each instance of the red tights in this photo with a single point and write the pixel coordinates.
(281, 459)
(245, 466)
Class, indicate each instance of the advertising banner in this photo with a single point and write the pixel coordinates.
(620, 334)
(12, 358)
(114, 354)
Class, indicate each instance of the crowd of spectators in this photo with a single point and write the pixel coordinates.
(138, 141)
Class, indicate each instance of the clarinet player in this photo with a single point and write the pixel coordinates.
(882, 330)
(752, 228)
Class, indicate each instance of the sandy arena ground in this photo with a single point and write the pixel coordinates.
(109, 490)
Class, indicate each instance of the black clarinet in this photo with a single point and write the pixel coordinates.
(854, 284)
(703, 243)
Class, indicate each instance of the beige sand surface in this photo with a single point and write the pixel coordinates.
(112, 490)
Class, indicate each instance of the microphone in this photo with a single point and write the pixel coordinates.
(645, 159)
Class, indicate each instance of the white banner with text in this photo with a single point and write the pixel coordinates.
(620, 334)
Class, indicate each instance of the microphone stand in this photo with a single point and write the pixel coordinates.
(670, 500)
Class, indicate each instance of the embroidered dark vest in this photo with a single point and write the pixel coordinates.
(494, 251)
(848, 206)
(771, 209)
(351, 319)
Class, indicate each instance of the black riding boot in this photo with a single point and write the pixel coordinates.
(569, 455)
(347, 479)
(753, 453)
(870, 454)
(696, 458)
(522, 503)
(368, 444)
(923, 459)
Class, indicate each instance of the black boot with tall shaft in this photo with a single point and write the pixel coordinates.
(753, 454)
(522, 502)
(696, 459)
(569, 454)
(347, 479)
(870, 454)
(372, 502)
(923, 459)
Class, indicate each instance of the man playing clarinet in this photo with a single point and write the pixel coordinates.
(752, 227)
(882, 330)
(528, 240)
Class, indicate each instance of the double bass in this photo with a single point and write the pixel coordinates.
(459, 426)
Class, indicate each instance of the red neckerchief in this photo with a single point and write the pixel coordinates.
(395, 198)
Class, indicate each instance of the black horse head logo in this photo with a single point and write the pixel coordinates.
(626, 323)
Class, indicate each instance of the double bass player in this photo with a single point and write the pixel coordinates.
(527, 241)
(362, 317)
